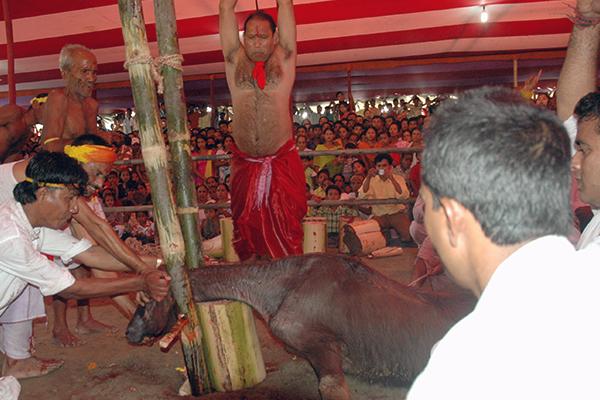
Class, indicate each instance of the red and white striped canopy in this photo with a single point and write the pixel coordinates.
(391, 46)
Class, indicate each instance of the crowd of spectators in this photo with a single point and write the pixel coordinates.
(395, 124)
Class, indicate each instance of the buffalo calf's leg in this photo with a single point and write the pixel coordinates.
(326, 359)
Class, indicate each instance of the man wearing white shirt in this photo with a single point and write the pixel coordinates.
(578, 105)
(496, 185)
(48, 199)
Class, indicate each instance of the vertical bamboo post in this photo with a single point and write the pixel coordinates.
(10, 55)
(231, 350)
(515, 73)
(155, 160)
(177, 129)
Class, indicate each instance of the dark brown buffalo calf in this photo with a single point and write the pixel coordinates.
(337, 313)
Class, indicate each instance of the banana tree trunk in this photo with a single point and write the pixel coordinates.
(156, 162)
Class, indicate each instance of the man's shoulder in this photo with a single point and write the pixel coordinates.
(90, 102)
(57, 93)
(57, 98)
(13, 110)
(9, 226)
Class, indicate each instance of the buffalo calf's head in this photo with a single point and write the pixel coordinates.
(152, 320)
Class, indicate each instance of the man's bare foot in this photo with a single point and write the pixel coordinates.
(30, 367)
(90, 325)
(64, 338)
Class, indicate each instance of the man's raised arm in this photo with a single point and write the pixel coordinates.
(228, 29)
(579, 71)
(287, 27)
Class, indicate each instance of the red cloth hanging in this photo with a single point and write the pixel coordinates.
(259, 74)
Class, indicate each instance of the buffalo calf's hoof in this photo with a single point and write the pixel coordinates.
(334, 388)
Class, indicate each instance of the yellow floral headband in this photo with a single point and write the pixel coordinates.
(91, 153)
(47, 184)
(39, 100)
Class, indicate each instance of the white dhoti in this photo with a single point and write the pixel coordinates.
(16, 322)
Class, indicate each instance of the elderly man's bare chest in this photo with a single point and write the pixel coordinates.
(75, 120)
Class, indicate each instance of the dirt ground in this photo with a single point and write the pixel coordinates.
(107, 367)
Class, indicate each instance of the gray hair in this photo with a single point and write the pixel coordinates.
(66, 55)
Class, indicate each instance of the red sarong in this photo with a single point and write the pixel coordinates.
(268, 202)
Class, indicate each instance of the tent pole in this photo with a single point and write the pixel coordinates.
(10, 57)
(515, 73)
(213, 113)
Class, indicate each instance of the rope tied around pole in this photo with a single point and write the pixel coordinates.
(170, 60)
(187, 210)
(147, 59)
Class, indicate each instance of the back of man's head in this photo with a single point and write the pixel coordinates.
(90, 139)
(505, 161)
(51, 170)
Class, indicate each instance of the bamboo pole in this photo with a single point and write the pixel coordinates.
(10, 55)
(156, 162)
(231, 351)
(177, 130)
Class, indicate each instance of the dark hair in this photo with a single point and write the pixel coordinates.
(507, 162)
(45, 168)
(333, 187)
(384, 156)
(336, 175)
(361, 162)
(350, 146)
(262, 16)
(589, 108)
(90, 139)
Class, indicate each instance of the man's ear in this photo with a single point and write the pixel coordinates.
(276, 36)
(456, 215)
(42, 193)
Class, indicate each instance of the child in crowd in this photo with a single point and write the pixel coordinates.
(333, 214)
(369, 141)
(211, 226)
(328, 144)
(347, 171)
(309, 170)
(336, 166)
(141, 227)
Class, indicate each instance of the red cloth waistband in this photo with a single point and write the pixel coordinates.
(286, 147)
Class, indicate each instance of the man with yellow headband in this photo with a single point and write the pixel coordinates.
(71, 111)
(97, 157)
(16, 124)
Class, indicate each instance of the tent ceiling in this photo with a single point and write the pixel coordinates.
(392, 46)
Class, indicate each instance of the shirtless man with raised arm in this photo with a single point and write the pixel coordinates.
(267, 196)
(71, 111)
(16, 124)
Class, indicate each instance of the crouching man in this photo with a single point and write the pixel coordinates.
(48, 199)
